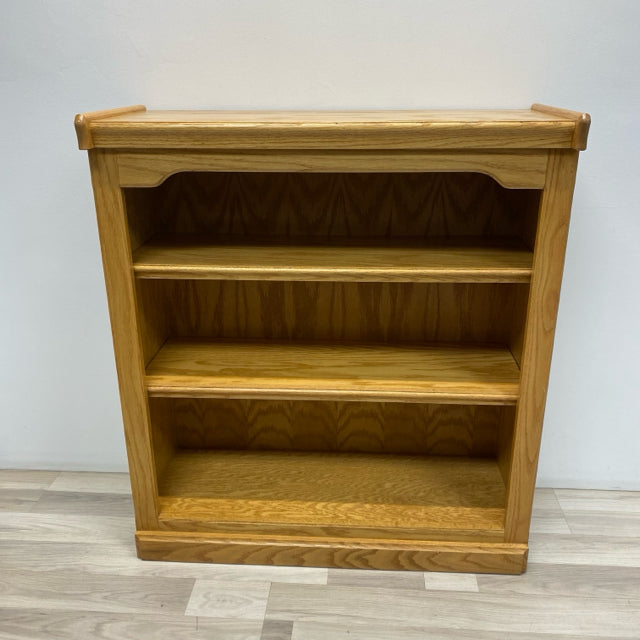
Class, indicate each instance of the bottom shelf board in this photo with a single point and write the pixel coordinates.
(376, 492)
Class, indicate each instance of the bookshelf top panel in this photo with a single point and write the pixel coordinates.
(540, 127)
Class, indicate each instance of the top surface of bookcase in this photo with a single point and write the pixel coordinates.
(540, 127)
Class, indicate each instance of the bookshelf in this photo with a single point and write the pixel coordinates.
(333, 330)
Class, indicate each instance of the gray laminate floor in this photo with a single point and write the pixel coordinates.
(68, 570)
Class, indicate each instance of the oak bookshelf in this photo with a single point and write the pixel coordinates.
(333, 330)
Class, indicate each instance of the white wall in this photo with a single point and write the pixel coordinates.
(58, 396)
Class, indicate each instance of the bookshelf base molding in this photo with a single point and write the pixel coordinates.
(329, 552)
(333, 330)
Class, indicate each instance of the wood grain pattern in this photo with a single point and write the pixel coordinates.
(486, 129)
(335, 477)
(503, 615)
(153, 320)
(327, 311)
(562, 580)
(367, 579)
(61, 589)
(444, 260)
(291, 374)
(364, 427)
(365, 205)
(362, 629)
(453, 524)
(105, 504)
(573, 549)
(92, 482)
(68, 527)
(623, 502)
(328, 552)
(44, 624)
(548, 261)
(116, 257)
(277, 630)
(20, 500)
(400, 496)
(582, 120)
(22, 479)
(83, 122)
(246, 601)
(199, 368)
(143, 208)
(512, 169)
(106, 559)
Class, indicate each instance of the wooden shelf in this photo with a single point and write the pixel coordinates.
(271, 383)
(135, 128)
(337, 259)
(327, 490)
(267, 369)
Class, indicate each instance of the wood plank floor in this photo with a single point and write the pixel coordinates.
(68, 570)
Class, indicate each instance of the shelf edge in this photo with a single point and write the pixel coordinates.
(509, 396)
(82, 122)
(582, 123)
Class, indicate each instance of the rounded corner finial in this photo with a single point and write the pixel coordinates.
(82, 122)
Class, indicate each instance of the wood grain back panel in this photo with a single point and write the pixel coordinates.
(329, 204)
(365, 427)
(372, 312)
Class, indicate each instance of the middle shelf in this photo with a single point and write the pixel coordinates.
(452, 373)
(338, 259)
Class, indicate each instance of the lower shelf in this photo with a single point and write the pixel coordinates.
(348, 494)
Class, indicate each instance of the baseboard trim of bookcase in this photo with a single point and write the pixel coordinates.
(467, 557)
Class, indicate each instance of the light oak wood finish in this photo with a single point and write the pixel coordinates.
(515, 169)
(553, 227)
(346, 489)
(451, 129)
(322, 552)
(83, 122)
(368, 207)
(462, 260)
(328, 312)
(421, 373)
(582, 120)
(116, 258)
(359, 427)
(312, 312)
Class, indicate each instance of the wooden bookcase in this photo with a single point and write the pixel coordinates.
(333, 330)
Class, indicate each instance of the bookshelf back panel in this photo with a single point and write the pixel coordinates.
(371, 312)
(358, 205)
(364, 427)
